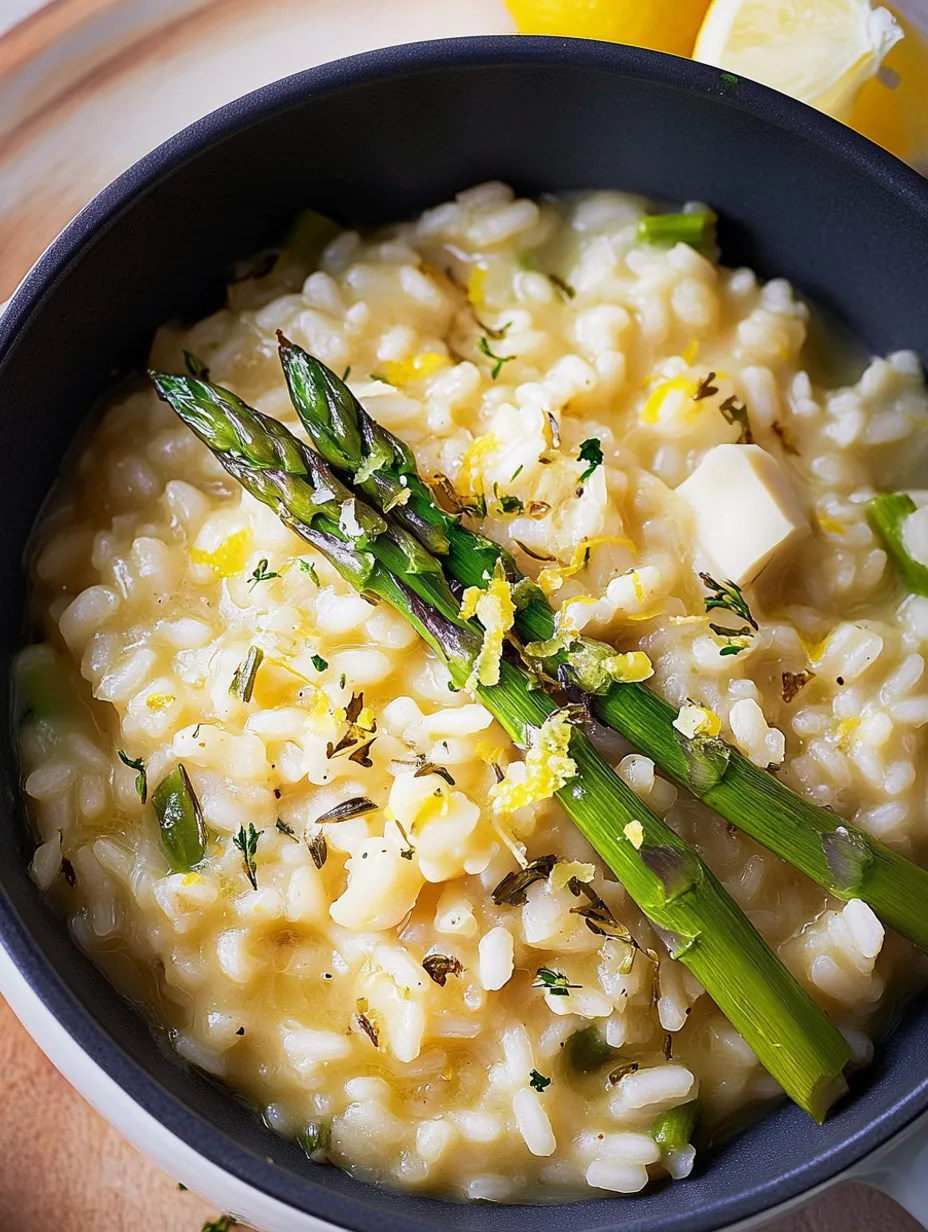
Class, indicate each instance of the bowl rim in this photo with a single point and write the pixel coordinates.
(799, 121)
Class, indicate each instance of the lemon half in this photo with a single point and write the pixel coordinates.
(664, 25)
(822, 52)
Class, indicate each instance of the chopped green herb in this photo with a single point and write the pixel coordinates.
(509, 504)
(537, 1081)
(516, 473)
(439, 966)
(590, 451)
(315, 1138)
(729, 81)
(887, 515)
(347, 373)
(729, 597)
(342, 680)
(554, 982)
(248, 845)
(141, 778)
(196, 366)
(499, 360)
(736, 640)
(285, 829)
(735, 412)
(243, 679)
(376, 376)
(182, 1187)
(565, 289)
(222, 1224)
(307, 566)
(319, 663)
(666, 230)
(261, 574)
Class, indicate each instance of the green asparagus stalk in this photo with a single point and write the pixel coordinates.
(843, 859)
(700, 924)
(665, 230)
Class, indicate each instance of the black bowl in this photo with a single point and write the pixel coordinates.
(371, 139)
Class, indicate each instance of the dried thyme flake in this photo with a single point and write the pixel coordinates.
(439, 966)
(511, 891)
(794, 682)
(357, 806)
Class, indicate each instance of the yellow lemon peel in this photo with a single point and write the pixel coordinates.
(831, 525)
(548, 767)
(159, 701)
(552, 578)
(416, 368)
(634, 832)
(229, 558)
(567, 870)
(470, 477)
(496, 611)
(685, 386)
(475, 285)
(694, 720)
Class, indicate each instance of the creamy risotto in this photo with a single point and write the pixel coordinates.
(629, 415)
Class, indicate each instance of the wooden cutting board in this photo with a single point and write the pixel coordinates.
(87, 87)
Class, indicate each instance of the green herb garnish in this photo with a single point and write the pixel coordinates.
(285, 829)
(499, 360)
(248, 845)
(537, 1081)
(307, 566)
(141, 778)
(261, 574)
(590, 451)
(729, 597)
(319, 663)
(243, 678)
(315, 1138)
(554, 982)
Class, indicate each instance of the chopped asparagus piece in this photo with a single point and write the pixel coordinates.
(183, 834)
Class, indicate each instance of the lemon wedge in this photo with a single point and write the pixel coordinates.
(664, 25)
(822, 52)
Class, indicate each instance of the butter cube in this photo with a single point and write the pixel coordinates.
(744, 510)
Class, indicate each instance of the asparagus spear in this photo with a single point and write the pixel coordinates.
(665, 230)
(843, 859)
(701, 925)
